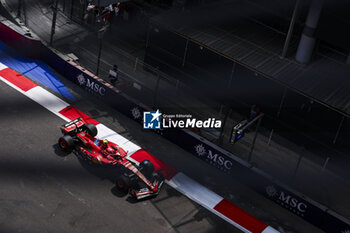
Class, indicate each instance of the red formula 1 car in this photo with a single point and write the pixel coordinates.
(139, 180)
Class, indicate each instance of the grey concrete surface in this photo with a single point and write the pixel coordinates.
(44, 191)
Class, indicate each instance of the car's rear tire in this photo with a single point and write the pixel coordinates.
(91, 129)
(123, 183)
(66, 143)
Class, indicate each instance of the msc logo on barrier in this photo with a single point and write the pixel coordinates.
(288, 201)
(81, 79)
(136, 113)
(151, 120)
(90, 85)
(214, 159)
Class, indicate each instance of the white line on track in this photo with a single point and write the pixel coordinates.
(47, 100)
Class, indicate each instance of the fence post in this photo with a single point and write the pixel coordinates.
(53, 26)
(290, 30)
(254, 139)
(325, 164)
(338, 130)
(147, 37)
(268, 143)
(221, 137)
(221, 107)
(282, 101)
(71, 10)
(100, 35)
(19, 8)
(185, 54)
(296, 168)
(99, 55)
(64, 6)
(156, 90)
(232, 74)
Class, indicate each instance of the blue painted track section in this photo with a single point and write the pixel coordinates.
(34, 69)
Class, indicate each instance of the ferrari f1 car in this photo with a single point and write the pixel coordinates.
(139, 180)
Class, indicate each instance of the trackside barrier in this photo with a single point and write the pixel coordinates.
(296, 203)
(12, 35)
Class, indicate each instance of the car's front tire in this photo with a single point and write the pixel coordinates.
(158, 176)
(147, 168)
(66, 143)
(91, 129)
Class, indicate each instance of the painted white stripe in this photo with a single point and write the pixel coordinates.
(201, 195)
(2, 66)
(45, 103)
(270, 230)
(103, 132)
(131, 147)
(47, 100)
(194, 190)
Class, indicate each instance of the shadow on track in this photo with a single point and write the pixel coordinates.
(105, 172)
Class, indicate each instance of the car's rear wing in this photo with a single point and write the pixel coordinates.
(72, 125)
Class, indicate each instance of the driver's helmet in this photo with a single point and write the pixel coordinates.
(104, 143)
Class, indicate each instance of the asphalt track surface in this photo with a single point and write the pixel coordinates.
(42, 190)
(45, 191)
